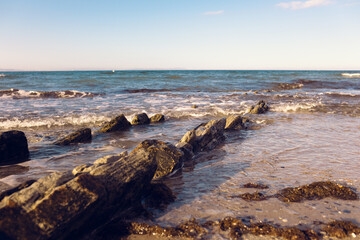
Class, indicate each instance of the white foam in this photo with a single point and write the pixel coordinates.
(296, 107)
(2, 75)
(350, 75)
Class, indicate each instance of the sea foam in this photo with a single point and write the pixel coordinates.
(350, 75)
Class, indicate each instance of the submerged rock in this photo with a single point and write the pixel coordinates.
(140, 119)
(234, 122)
(255, 185)
(117, 124)
(13, 147)
(256, 196)
(80, 136)
(168, 157)
(260, 108)
(157, 118)
(341, 229)
(317, 190)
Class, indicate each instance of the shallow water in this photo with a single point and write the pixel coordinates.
(310, 134)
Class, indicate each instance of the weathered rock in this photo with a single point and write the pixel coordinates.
(259, 108)
(13, 147)
(317, 190)
(157, 118)
(60, 204)
(256, 196)
(341, 229)
(117, 124)
(159, 197)
(80, 136)
(140, 119)
(234, 122)
(206, 136)
(168, 157)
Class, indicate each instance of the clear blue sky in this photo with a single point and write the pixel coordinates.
(179, 34)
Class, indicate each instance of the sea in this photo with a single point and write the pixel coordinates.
(311, 133)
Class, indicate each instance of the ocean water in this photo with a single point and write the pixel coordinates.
(312, 133)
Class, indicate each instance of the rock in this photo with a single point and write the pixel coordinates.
(255, 185)
(206, 136)
(234, 122)
(317, 190)
(157, 118)
(80, 136)
(256, 196)
(159, 197)
(140, 119)
(62, 205)
(117, 124)
(13, 147)
(259, 108)
(168, 157)
(341, 229)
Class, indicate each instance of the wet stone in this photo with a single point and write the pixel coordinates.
(116, 124)
(140, 119)
(157, 118)
(159, 197)
(13, 147)
(256, 196)
(260, 108)
(317, 190)
(341, 229)
(80, 136)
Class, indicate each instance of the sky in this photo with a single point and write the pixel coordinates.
(50, 35)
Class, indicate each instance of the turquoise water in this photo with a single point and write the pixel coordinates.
(311, 133)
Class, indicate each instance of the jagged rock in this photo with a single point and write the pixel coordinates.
(206, 136)
(62, 201)
(259, 108)
(140, 119)
(117, 124)
(168, 157)
(80, 136)
(157, 118)
(234, 122)
(13, 147)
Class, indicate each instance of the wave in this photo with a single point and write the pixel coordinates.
(356, 75)
(150, 90)
(20, 94)
(2, 75)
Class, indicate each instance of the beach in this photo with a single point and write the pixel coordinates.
(310, 134)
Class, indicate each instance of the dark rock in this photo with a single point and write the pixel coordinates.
(259, 108)
(157, 118)
(255, 185)
(187, 149)
(234, 122)
(341, 229)
(13, 147)
(168, 157)
(117, 124)
(81, 136)
(140, 119)
(16, 189)
(206, 136)
(62, 201)
(317, 190)
(160, 196)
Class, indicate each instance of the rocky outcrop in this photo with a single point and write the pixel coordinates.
(235, 122)
(140, 119)
(61, 204)
(13, 147)
(157, 118)
(80, 136)
(117, 124)
(204, 137)
(260, 108)
(168, 157)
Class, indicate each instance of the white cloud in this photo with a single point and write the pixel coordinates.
(295, 5)
(214, 13)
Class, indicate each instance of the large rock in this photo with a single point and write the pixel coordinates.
(117, 124)
(61, 204)
(168, 157)
(259, 108)
(80, 136)
(234, 122)
(157, 118)
(13, 147)
(140, 119)
(204, 137)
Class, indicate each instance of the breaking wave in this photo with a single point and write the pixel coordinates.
(20, 94)
(351, 75)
